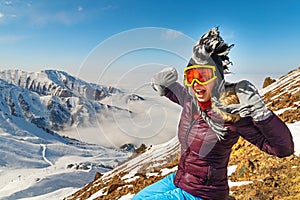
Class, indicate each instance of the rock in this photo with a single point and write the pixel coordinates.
(134, 97)
(268, 81)
(127, 148)
(70, 166)
(97, 175)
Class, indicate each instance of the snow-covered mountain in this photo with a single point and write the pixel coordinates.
(159, 160)
(56, 101)
(35, 109)
(52, 99)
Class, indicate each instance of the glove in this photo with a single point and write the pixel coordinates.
(251, 103)
(163, 79)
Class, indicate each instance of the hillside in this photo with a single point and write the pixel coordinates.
(253, 174)
(283, 96)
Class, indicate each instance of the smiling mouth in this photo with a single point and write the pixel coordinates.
(200, 92)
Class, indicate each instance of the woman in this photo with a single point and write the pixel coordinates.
(214, 116)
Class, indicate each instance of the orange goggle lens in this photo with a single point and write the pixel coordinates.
(202, 74)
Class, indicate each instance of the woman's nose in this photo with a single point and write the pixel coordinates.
(196, 83)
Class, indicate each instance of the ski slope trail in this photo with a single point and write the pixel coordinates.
(44, 146)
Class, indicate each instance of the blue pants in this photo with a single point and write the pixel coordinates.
(164, 190)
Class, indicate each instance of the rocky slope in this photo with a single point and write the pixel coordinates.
(283, 96)
(271, 178)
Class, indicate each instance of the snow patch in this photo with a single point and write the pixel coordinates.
(233, 184)
(167, 171)
(127, 197)
(278, 112)
(131, 179)
(231, 169)
(127, 176)
(97, 194)
(295, 130)
(152, 174)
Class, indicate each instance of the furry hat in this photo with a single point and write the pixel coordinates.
(212, 50)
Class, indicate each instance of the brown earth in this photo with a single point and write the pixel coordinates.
(273, 178)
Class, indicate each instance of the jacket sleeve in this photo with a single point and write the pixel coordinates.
(176, 93)
(270, 135)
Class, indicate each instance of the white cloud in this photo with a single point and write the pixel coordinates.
(79, 8)
(61, 17)
(170, 34)
(1, 15)
(108, 7)
(8, 3)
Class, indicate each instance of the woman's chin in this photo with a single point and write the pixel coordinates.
(203, 98)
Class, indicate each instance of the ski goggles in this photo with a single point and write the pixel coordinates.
(202, 74)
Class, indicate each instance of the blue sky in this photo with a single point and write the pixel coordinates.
(62, 34)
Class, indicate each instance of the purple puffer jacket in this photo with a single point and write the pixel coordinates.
(202, 169)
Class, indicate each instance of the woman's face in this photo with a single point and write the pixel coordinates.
(203, 92)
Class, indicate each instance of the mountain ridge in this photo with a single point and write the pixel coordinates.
(57, 83)
(53, 99)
